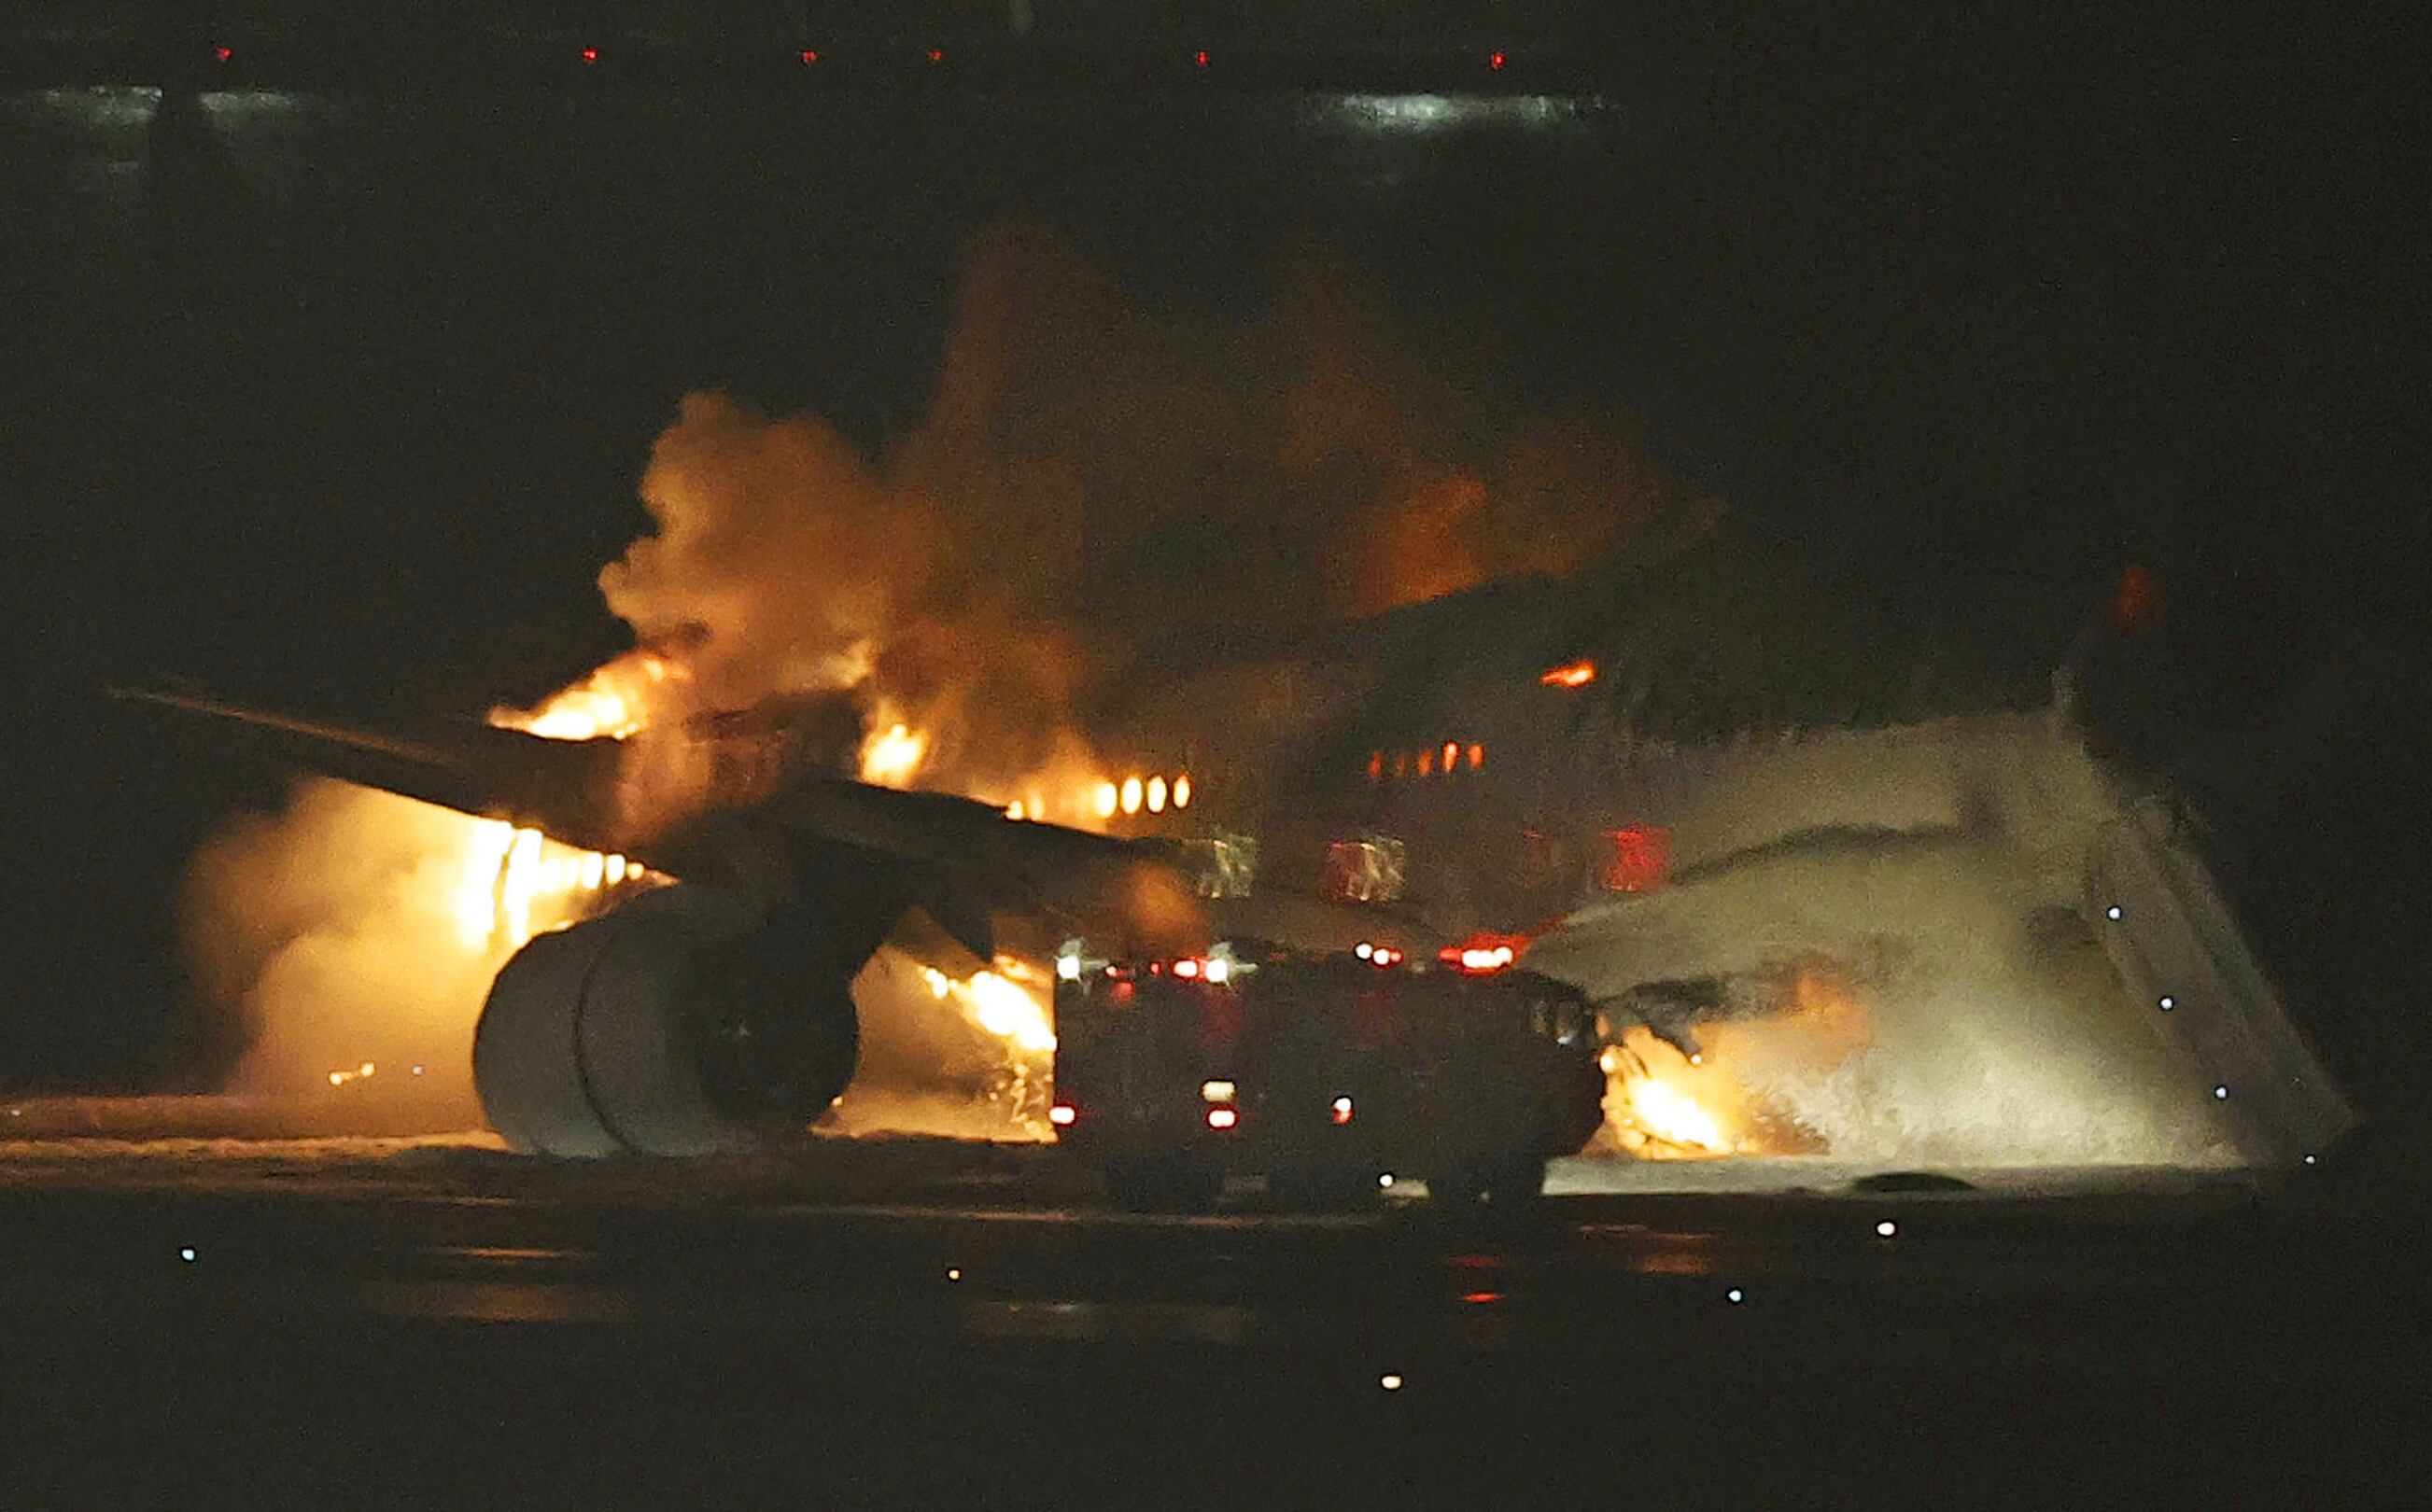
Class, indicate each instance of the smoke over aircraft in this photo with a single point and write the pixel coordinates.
(1898, 897)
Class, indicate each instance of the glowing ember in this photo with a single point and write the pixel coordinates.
(611, 703)
(1673, 1116)
(1008, 1004)
(1570, 675)
(1010, 1012)
(1658, 1105)
(891, 757)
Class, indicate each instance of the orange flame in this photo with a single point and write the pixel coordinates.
(891, 757)
(614, 702)
(1662, 1104)
(1569, 674)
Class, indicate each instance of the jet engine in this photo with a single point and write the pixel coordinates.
(692, 1020)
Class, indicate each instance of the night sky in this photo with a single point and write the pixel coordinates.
(340, 399)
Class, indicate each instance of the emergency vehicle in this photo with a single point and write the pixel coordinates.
(1332, 1075)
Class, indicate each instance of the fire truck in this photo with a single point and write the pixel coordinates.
(1333, 1075)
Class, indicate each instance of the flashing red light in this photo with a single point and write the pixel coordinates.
(591, 55)
(1476, 755)
(223, 53)
(1062, 1115)
(936, 55)
(1384, 955)
(1220, 1118)
(1186, 968)
(1494, 59)
(1482, 953)
(1199, 59)
(1375, 764)
(1641, 859)
(810, 55)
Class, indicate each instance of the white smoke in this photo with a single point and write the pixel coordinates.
(1983, 1025)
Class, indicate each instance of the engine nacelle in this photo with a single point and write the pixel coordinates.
(687, 1022)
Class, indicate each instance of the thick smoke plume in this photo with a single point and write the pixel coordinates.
(333, 929)
(1101, 494)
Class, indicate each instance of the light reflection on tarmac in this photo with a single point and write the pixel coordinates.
(887, 1312)
(229, 1144)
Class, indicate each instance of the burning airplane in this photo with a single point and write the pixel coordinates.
(897, 725)
(1827, 903)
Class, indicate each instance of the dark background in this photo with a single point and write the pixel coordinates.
(341, 402)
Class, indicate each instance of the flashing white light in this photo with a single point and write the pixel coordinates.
(954, 1272)
(1736, 1296)
(1106, 800)
(1182, 791)
(1391, 1383)
(1187, 968)
(2310, 1160)
(1342, 1110)
(366, 1069)
(1218, 1091)
(1067, 969)
(1062, 1115)
(2112, 913)
(1218, 970)
(1131, 794)
(1364, 949)
(1696, 1058)
(418, 1070)
(2220, 1093)
(1156, 794)
(1385, 1182)
(2168, 1002)
(1887, 1228)
(1221, 1117)
(187, 1254)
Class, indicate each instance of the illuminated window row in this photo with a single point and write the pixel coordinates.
(1436, 761)
(1135, 794)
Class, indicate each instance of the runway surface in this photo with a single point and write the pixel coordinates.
(431, 1322)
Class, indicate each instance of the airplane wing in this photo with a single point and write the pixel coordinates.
(959, 859)
(565, 788)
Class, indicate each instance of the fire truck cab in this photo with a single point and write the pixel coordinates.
(1331, 1075)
